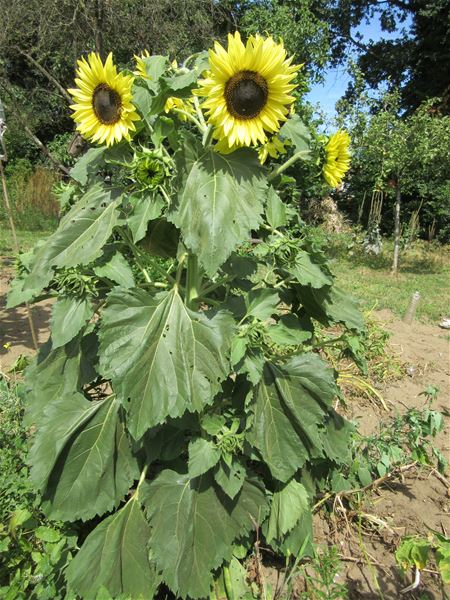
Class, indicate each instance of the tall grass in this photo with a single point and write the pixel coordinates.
(33, 203)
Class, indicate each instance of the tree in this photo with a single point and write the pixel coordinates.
(415, 61)
(404, 156)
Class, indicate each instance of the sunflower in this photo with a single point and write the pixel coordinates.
(247, 89)
(141, 70)
(273, 148)
(103, 111)
(337, 158)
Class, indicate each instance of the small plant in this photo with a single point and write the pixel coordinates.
(415, 552)
(406, 438)
(321, 577)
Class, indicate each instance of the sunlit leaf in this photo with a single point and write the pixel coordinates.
(220, 202)
(162, 356)
(115, 555)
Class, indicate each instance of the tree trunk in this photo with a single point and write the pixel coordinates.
(398, 199)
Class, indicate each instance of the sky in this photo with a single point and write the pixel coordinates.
(328, 93)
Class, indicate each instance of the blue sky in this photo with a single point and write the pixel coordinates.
(327, 93)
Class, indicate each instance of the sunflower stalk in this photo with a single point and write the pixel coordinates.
(301, 155)
(193, 282)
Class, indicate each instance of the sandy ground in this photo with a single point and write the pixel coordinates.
(420, 500)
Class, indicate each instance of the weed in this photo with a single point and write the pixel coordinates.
(31, 194)
(321, 577)
(33, 552)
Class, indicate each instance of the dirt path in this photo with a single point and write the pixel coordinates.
(418, 502)
(15, 335)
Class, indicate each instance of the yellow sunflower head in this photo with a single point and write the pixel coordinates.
(273, 148)
(177, 103)
(141, 70)
(103, 108)
(337, 158)
(247, 89)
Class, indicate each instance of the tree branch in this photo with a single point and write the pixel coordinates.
(44, 72)
(42, 147)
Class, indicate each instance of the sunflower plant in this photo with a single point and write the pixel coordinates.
(181, 407)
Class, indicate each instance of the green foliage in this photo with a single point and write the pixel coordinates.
(321, 583)
(415, 552)
(408, 437)
(33, 551)
(180, 407)
(391, 149)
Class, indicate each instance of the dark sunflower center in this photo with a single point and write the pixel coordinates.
(246, 94)
(106, 104)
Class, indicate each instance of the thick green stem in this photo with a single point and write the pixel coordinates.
(135, 250)
(297, 156)
(207, 136)
(189, 117)
(228, 586)
(193, 282)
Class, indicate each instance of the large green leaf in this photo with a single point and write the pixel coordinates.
(55, 373)
(220, 202)
(292, 406)
(295, 130)
(161, 356)
(331, 305)
(288, 505)
(117, 269)
(115, 555)
(69, 315)
(307, 272)
(81, 457)
(79, 239)
(193, 527)
(147, 206)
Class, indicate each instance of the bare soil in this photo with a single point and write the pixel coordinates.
(418, 500)
(413, 503)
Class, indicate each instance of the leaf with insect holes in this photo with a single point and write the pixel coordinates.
(163, 357)
(221, 201)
